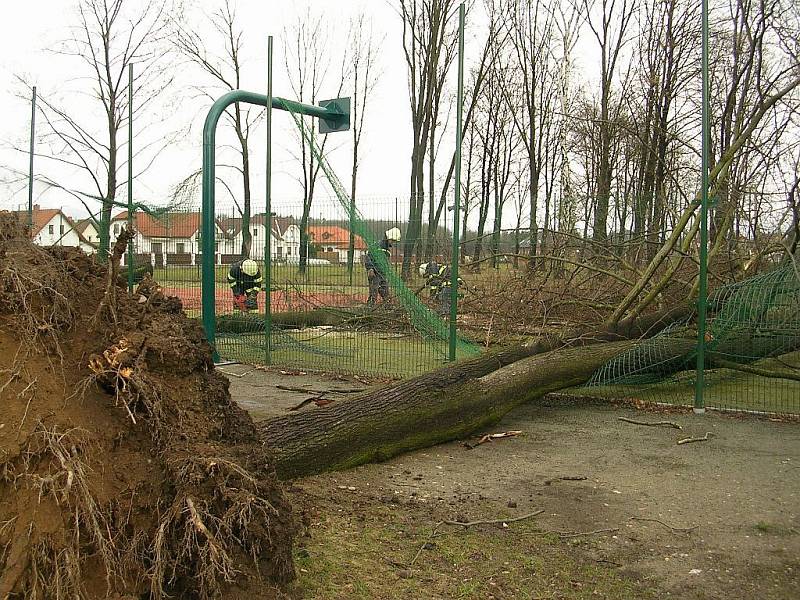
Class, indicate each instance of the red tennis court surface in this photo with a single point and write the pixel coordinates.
(281, 300)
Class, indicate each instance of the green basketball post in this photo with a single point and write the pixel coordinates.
(130, 175)
(457, 199)
(333, 115)
(268, 210)
(30, 161)
(702, 296)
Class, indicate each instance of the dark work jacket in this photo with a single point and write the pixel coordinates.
(242, 283)
(370, 262)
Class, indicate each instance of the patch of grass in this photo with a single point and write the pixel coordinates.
(368, 555)
(341, 351)
(725, 388)
(774, 529)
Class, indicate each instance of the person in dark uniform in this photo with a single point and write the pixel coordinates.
(438, 281)
(430, 276)
(378, 284)
(245, 280)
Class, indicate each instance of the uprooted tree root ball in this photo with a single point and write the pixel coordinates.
(125, 468)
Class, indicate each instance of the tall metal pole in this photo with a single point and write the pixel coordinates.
(30, 164)
(702, 297)
(457, 201)
(333, 114)
(268, 196)
(130, 175)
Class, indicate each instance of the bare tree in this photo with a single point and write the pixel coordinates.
(610, 34)
(531, 39)
(429, 43)
(365, 48)
(225, 73)
(307, 61)
(110, 36)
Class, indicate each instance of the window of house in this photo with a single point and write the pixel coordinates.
(116, 229)
(280, 251)
(157, 248)
(61, 230)
(216, 246)
(180, 248)
(255, 232)
(50, 229)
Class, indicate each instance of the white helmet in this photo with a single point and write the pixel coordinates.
(423, 268)
(393, 234)
(250, 267)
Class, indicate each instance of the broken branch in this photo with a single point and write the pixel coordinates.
(689, 440)
(494, 521)
(651, 424)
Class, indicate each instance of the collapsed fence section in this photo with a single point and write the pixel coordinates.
(752, 358)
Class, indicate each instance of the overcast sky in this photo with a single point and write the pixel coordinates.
(28, 29)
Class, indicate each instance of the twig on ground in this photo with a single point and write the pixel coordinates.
(289, 388)
(238, 375)
(494, 521)
(319, 400)
(660, 522)
(570, 534)
(491, 437)
(689, 440)
(651, 424)
(565, 478)
(425, 543)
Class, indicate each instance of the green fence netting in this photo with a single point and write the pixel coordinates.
(752, 345)
(320, 315)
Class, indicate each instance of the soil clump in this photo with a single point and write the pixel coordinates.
(126, 471)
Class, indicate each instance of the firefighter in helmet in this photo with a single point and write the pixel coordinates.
(430, 276)
(375, 266)
(438, 280)
(245, 280)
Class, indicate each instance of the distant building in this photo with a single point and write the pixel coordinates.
(170, 238)
(284, 238)
(333, 242)
(51, 227)
(87, 229)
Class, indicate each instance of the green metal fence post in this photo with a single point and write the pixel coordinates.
(702, 296)
(268, 209)
(30, 159)
(130, 175)
(332, 115)
(457, 199)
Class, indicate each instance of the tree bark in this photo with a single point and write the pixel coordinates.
(437, 407)
(447, 404)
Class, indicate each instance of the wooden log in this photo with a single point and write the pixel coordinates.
(436, 407)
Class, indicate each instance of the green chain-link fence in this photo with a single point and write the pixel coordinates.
(752, 352)
(320, 314)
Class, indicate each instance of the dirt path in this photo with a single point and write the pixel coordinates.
(740, 489)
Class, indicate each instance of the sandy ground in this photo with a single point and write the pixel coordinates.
(715, 519)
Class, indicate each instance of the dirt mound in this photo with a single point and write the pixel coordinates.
(125, 468)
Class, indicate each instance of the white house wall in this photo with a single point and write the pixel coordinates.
(62, 233)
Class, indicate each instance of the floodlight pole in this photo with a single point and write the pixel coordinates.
(268, 210)
(702, 296)
(130, 176)
(457, 199)
(30, 161)
(334, 115)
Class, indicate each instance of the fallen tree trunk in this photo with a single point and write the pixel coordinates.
(437, 407)
(449, 403)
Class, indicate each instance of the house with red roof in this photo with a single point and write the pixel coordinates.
(333, 242)
(169, 238)
(51, 227)
(284, 236)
